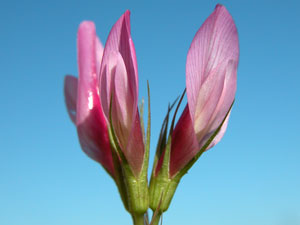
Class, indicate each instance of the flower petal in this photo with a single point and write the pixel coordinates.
(214, 45)
(87, 85)
(94, 140)
(220, 134)
(227, 96)
(119, 79)
(184, 144)
(209, 96)
(91, 124)
(119, 41)
(122, 104)
(135, 147)
(211, 84)
(70, 92)
(223, 106)
(106, 85)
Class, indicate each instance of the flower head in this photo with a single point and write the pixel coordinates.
(118, 82)
(106, 77)
(211, 70)
(211, 74)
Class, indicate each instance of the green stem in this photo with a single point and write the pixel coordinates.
(155, 220)
(138, 219)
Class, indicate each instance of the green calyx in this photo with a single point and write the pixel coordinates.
(133, 187)
(162, 185)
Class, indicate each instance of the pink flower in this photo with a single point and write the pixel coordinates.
(104, 76)
(211, 74)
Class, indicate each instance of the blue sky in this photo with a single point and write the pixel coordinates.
(251, 177)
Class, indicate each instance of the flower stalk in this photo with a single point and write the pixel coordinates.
(138, 219)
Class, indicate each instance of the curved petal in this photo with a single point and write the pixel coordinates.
(87, 53)
(214, 45)
(107, 73)
(184, 144)
(209, 96)
(122, 103)
(119, 79)
(70, 92)
(135, 146)
(114, 83)
(94, 139)
(211, 84)
(119, 41)
(87, 70)
(91, 123)
(220, 134)
(227, 96)
(222, 108)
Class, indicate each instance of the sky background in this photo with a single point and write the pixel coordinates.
(251, 177)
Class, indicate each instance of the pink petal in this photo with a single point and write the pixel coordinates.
(220, 134)
(135, 147)
(209, 96)
(227, 96)
(127, 128)
(119, 41)
(87, 89)
(106, 85)
(223, 106)
(122, 103)
(211, 84)
(214, 45)
(70, 91)
(91, 123)
(94, 139)
(119, 78)
(184, 144)
(123, 96)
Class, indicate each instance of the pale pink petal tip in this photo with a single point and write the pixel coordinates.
(86, 25)
(127, 13)
(219, 6)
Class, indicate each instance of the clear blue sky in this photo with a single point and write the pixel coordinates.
(251, 177)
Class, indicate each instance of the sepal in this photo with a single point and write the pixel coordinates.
(162, 186)
(133, 188)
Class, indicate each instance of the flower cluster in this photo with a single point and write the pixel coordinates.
(103, 104)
